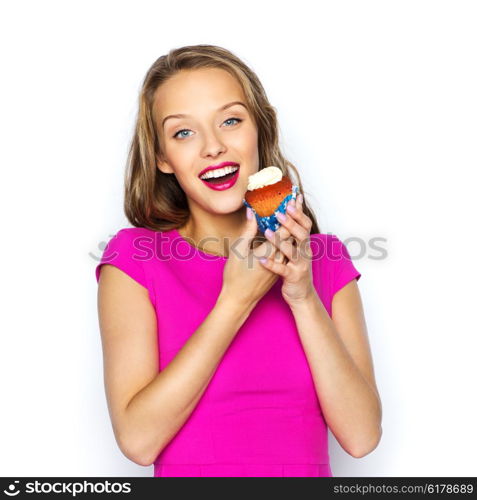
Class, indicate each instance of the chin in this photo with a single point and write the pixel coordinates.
(228, 207)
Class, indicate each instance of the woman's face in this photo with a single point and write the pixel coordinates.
(207, 136)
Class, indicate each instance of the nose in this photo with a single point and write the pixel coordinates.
(213, 146)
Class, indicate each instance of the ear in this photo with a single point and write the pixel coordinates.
(163, 166)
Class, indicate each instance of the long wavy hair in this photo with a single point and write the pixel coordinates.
(155, 200)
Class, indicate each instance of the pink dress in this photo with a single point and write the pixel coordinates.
(260, 414)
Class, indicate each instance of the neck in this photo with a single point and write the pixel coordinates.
(214, 233)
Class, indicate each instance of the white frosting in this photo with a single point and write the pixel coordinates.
(264, 177)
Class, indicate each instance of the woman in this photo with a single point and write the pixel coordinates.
(213, 365)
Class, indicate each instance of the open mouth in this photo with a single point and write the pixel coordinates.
(219, 176)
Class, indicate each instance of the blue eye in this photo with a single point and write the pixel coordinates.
(187, 130)
(236, 119)
(177, 133)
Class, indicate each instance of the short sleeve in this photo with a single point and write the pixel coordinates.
(343, 268)
(121, 253)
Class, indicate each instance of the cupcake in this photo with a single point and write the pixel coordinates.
(268, 192)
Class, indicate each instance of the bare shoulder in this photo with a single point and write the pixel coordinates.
(349, 319)
(128, 326)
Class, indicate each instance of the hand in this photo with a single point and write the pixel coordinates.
(245, 280)
(297, 271)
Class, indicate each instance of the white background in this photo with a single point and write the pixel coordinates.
(377, 108)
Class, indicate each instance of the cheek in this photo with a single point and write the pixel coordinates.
(176, 149)
(248, 140)
(187, 182)
(181, 156)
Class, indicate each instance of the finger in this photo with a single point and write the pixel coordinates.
(307, 222)
(295, 210)
(283, 232)
(285, 246)
(277, 255)
(266, 249)
(297, 223)
(284, 259)
(249, 233)
(276, 267)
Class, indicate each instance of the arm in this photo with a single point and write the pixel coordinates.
(148, 408)
(340, 361)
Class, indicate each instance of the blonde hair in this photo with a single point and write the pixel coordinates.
(155, 200)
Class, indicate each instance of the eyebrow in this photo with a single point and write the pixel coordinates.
(181, 115)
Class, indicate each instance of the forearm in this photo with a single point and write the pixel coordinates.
(157, 412)
(350, 405)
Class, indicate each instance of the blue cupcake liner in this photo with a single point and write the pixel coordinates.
(271, 221)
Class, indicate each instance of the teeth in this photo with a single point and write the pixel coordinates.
(220, 172)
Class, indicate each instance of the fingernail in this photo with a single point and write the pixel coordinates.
(249, 213)
(280, 216)
(268, 232)
(291, 208)
(300, 198)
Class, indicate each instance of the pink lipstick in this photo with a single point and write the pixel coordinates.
(223, 182)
